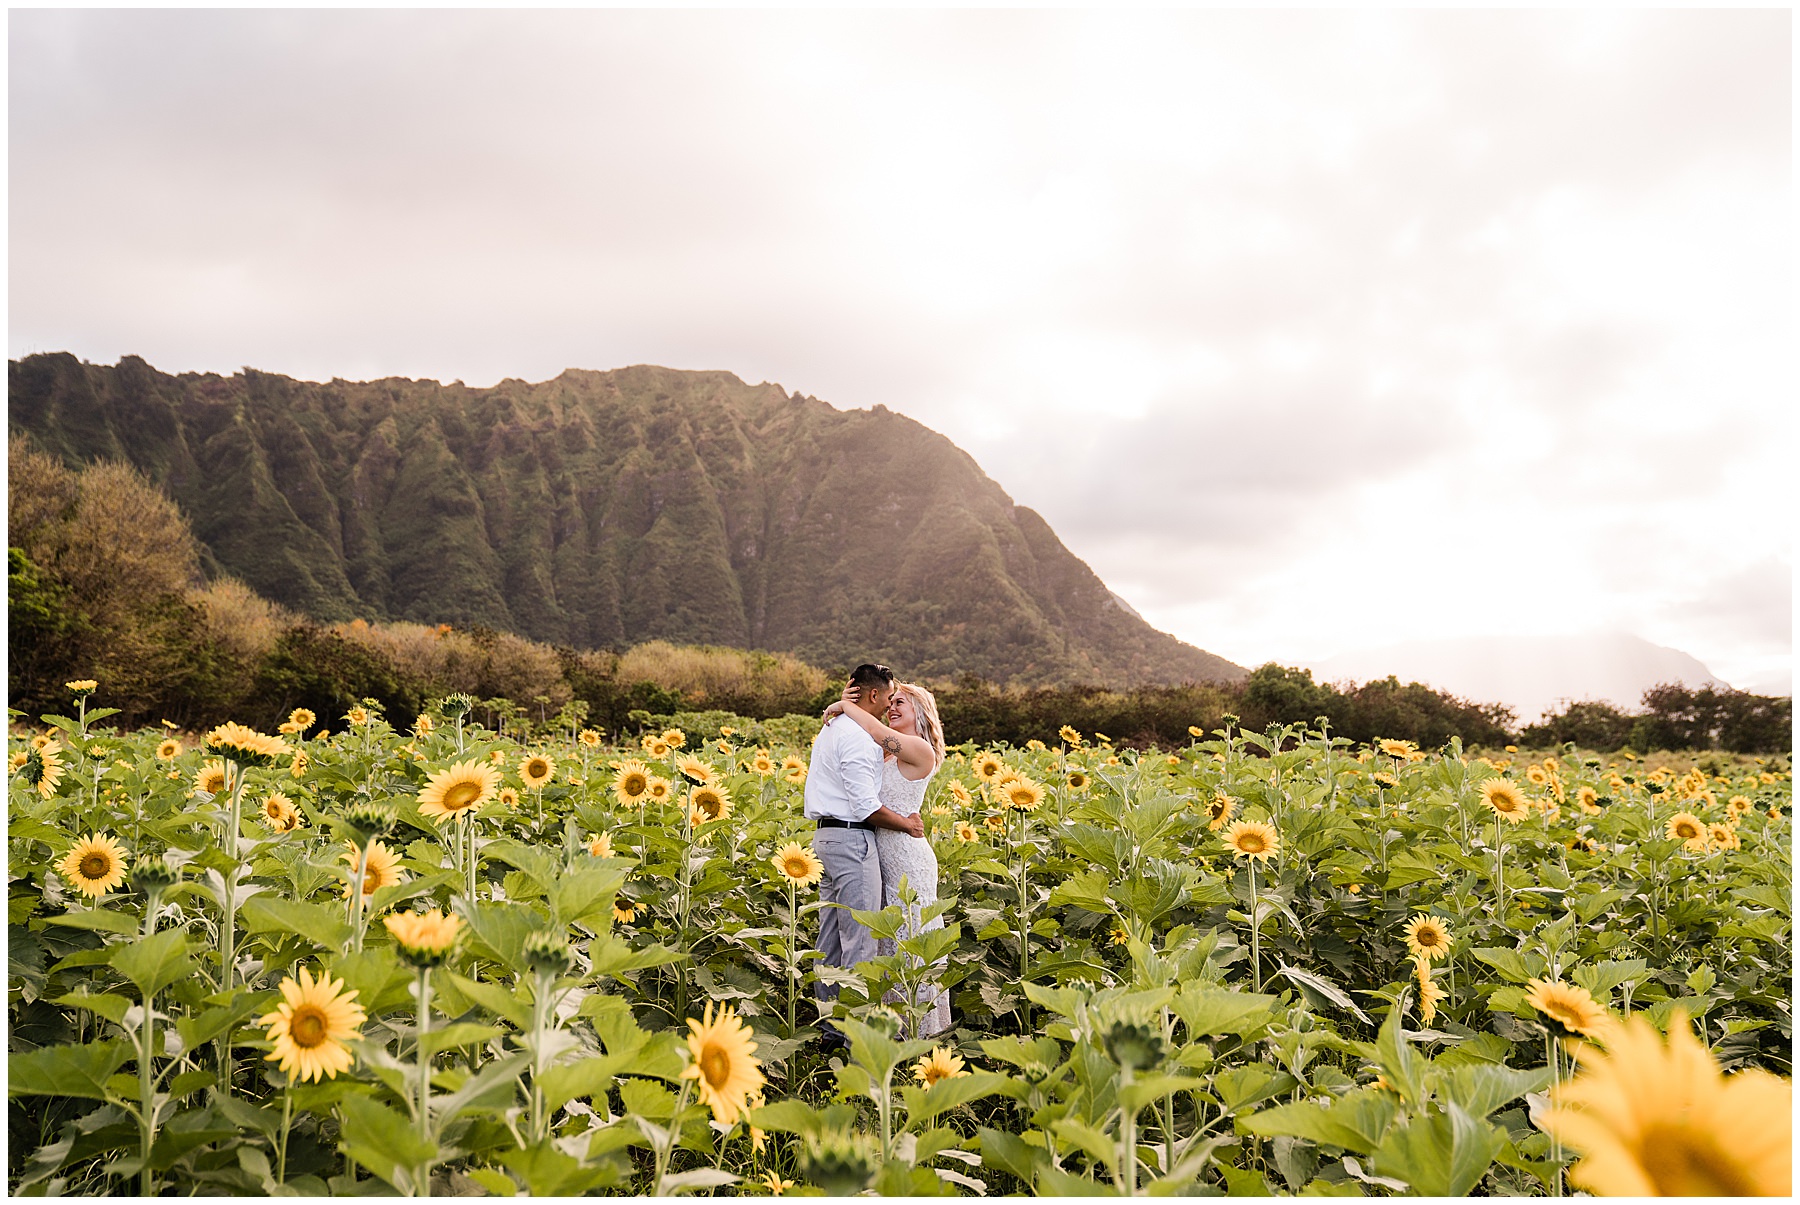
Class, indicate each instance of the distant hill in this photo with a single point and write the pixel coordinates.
(604, 509)
(1531, 674)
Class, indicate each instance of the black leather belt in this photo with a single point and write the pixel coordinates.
(828, 822)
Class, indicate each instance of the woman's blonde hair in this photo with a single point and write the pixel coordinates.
(928, 724)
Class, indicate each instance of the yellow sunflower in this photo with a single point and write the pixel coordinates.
(310, 1026)
(383, 869)
(1395, 748)
(996, 822)
(1077, 781)
(624, 911)
(357, 716)
(965, 831)
(83, 686)
(633, 782)
(794, 769)
(425, 938)
(1505, 800)
(1219, 811)
(1069, 736)
(422, 725)
(590, 738)
(1021, 794)
(1658, 1119)
(961, 794)
(724, 1068)
(708, 804)
(535, 769)
(94, 866)
(458, 791)
(674, 738)
(240, 743)
(507, 797)
(300, 763)
(1688, 829)
(775, 1184)
(1588, 800)
(988, 767)
(798, 864)
(1430, 994)
(301, 719)
(280, 814)
(211, 778)
(940, 1064)
(694, 769)
(1568, 1009)
(43, 767)
(169, 750)
(1723, 836)
(600, 846)
(1428, 937)
(1253, 839)
(761, 763)
(658, 789)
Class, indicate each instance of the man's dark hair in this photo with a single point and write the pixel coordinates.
(870, 674)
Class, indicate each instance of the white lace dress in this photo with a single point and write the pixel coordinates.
(910, 858)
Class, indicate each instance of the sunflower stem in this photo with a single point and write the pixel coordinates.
(147, 1094)
(356, 895)
(287, 1120)
(1550, 1060)
(1499, 876)
(670, 1137)
(540, 1023)
(793, 976)
(469, 861)
(424, 1055)
(1125, 1176)
(1255, 932)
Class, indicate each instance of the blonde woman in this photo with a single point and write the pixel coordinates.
(912, 743)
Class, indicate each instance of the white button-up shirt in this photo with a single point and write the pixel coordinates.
(843, 781)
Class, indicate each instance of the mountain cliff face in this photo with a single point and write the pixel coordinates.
(602, 509)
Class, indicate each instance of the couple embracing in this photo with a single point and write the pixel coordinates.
(871, 763)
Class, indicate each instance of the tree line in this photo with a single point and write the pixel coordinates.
(106, 581)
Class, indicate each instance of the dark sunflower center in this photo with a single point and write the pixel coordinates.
(1684, 1163)
(96, 866)
(796, 868)
(307, 1027)
(635, 784)
(1250, 843)
(461, 795)
(715, 1066)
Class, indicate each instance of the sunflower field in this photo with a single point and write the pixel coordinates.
(445, 961)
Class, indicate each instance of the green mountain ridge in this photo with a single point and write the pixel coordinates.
(604, 509)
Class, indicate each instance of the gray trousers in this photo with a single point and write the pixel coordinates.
(852, 878)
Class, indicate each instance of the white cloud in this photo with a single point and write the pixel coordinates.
(1308, 330)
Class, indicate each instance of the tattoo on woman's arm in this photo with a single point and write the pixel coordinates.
(891, 744)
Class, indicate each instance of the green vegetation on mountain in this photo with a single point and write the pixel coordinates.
(601, 510)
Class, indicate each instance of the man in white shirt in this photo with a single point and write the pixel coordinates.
(843, 785)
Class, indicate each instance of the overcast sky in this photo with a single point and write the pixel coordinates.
(1308, 331)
